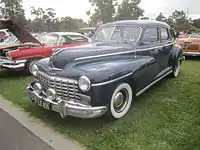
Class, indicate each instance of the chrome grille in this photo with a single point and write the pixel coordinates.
(65, 88)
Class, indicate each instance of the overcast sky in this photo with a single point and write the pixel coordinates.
(78, 8)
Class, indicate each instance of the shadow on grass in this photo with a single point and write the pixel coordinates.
(54, 119)
(194, 58)
(8, 74)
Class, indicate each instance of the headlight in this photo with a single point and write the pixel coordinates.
(37, 87)
(84, 83)
(34, 70)
(8, 55)
(51, 94)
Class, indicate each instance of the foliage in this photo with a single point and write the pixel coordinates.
(196, 23)
(46, 20)
(178, 20)
(13, 9)
(104, 10)
(129, 10)
(161, 17)
(164, 118)
(110, 10)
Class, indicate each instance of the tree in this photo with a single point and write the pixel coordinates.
(196, 23)
(161, 17)
(46, 21)
(13, 9)
(104, 10)
(129, 9)
(181, 21)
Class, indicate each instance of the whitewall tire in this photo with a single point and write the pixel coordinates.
(176, 69)
(121, 101)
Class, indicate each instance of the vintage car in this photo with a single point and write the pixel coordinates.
(103, 77)
(30, 49)
(190, 44)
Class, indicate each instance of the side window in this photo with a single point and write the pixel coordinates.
(77, 38)
(164, 34)
(151, 36)
(62, 41)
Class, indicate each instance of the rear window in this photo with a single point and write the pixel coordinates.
(151, 36)
(164, 34)
(2, 33)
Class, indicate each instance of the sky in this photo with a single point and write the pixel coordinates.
(78, 8)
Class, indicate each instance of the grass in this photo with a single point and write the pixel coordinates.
(164, 118)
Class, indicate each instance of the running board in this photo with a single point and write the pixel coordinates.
(154, 82)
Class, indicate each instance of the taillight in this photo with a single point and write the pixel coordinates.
(5, 37)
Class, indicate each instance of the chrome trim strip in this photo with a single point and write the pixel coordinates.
(13, 66)
(111, 81)
(20, 61)
(118, 53)
(151, 84)
(56, 69)
(191, 53)
(163, 71)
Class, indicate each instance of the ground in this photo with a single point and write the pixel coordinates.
(166, 117)
(14, 136)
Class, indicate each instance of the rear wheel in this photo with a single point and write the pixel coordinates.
(176, 69)
(120, 102)
(29, 65)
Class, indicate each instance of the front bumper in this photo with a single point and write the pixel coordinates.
(65, 108)
(191, 53)
(12, 64)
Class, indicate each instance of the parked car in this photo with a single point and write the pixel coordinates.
(31, 49)
(102, 78)
(4, 34)
(190, 44)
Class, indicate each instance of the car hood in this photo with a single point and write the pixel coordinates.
(21, 33)
(94, 51)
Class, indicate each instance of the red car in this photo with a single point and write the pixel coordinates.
(31, 49)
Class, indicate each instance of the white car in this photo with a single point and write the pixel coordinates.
(4, 34)
(62, 38)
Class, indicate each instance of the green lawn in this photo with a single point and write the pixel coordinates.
(166, 117)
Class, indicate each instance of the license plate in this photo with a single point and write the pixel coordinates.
(43, 104)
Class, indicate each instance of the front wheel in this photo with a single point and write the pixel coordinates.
(120, 102)
(176, 69)
(29, 65)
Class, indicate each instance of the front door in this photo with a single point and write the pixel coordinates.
(149, 47)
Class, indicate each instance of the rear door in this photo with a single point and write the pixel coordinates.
(166, 41)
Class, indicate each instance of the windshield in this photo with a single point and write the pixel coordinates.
(48, 39)
(119, 33)
(11, 39)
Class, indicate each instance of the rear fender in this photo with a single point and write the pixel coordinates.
(176, 54)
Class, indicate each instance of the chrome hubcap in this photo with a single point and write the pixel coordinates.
(118, 99)
(31, 65)
(121, 100)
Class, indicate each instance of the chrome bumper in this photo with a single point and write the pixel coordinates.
(12, 64)
(65, 108)
(191, 53)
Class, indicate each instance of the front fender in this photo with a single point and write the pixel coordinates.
(176, 54)
(31, 53)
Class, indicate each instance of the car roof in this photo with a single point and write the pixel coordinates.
(3, 29)
(142, 23)
(64, 33)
